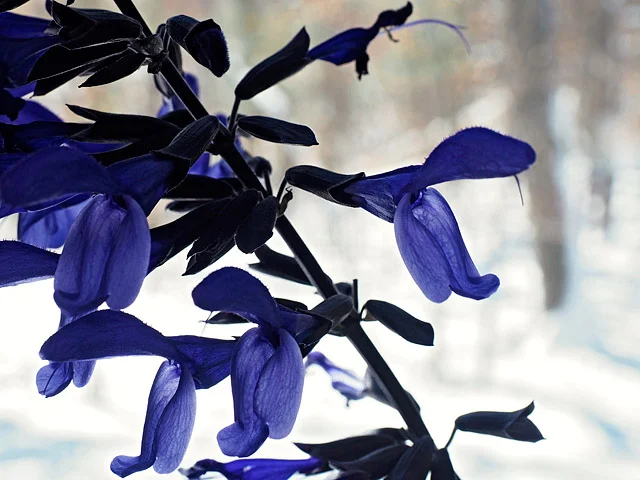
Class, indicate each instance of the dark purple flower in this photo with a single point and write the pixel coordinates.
(426, 230)
(192, 363)
(255, 468)
(351, 45)
(267, 372)
(106, 254)
(48, 228)
(56, 376)
(344, 381)
(105, 257)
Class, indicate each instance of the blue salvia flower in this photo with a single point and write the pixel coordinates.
(344, 381)
(255, 468)
(53, 378)
(351, 45)
(107, 249)
(192, 363)
(267, 372)
(426, 230)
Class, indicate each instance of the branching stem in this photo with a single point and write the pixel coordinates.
(301, 252)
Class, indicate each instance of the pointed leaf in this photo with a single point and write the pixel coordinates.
(258, 226)
(193, 140)
(277, 131)
(205, 188)
(110, 127)
(511, 425)
(335, 308)
(347, 449)
(170, 239)
(416, 462)
(125, 65)
(279, 265)
(61, 59)
(399, 321)
(282, 64)
(218, 239)
(378, 463)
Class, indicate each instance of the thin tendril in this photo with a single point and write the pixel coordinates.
(456, 28)
(519, 189)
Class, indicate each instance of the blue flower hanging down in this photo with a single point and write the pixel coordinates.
(193, 363)
(267, 372)
(426, 230)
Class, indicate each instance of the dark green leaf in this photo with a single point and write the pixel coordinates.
(193, 140)
(335, 308)
(126, 64)
(511, 425)
(416, 462)
(347, 449)
(257, 228)
(279, 265)
(277, 131)
(400, 322)
(61, 59)
(282, 64)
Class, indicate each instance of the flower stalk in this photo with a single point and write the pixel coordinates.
(310, 266)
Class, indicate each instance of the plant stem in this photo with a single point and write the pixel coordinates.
(453, 433)
(301, 252)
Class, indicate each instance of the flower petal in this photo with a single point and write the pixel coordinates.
(176, 425)
(32, 112)
(129, 258)
(54, 378)
(164, 388)
(79, 277)
(380, 194)
(48, 228)
(432, 248)
(245, 436)
(255, 468)
(104, 334)
(146, 178)
(210, 358)
(24, 263)
(82, 372)
(342, 380)
(279, 388)
(51, 173)
(233, 290)
(473, 153)
(344, 47)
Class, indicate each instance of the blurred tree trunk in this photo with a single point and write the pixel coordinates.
(598, 97)
(531, 60)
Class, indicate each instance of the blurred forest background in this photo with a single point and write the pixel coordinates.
(563, 329)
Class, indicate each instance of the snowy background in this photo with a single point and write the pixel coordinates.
(564, 327)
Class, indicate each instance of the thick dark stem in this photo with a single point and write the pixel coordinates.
(303, 255)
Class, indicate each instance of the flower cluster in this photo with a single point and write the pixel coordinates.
(88, 187)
